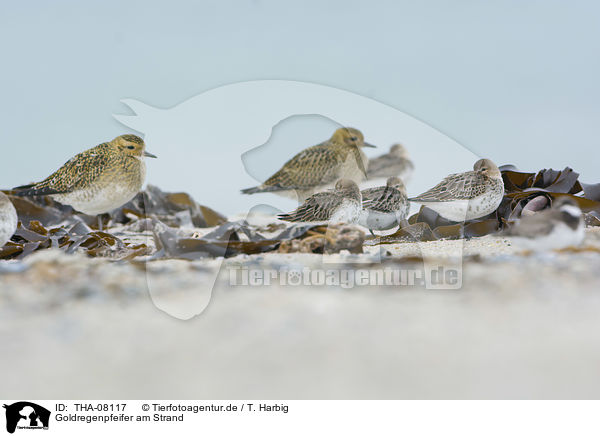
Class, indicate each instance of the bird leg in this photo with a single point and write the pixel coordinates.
(101, 221)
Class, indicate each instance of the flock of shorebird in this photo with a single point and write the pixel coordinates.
(325, 178)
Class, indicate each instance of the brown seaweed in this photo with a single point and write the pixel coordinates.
(233, 238)
(520, 189)
(45, 223)
(175, 209)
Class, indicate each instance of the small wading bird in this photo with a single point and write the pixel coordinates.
(97, 180)
(318, 167)
(396, 163)
(466, 196)
(340, 205)
(559, 227)
(384, 207)
(8, 219)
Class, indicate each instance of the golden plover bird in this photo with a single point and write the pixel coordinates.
(8, 219)
(340, 205)
(98, 180)
(318, 167)
(559, 227)
(384, 207)
(466, 196)
(396, 163)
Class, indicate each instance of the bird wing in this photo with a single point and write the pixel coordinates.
(461, 186)
(387, 166)
(378, 163)
(318, 163)
(73, 175)
(382, 199)
(317, 207)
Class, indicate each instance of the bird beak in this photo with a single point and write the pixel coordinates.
(366, 144)
(149, 155)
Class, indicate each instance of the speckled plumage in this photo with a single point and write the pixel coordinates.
(8, 219)
(384, 207)
(319, 166)
(342, 204)
(468, 195)
(97, 180)
(396, 163)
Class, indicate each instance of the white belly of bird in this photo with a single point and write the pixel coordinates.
(348, 212)
(8, 223)
(462, 210)
(102, 201)
(375, 220)
(562, 236)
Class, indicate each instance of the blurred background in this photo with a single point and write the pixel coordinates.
(516, 81)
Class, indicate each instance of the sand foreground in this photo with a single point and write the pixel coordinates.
(519, 327)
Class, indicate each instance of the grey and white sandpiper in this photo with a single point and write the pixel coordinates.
(340, 205)
(395, 163)
(558, 227)
(318, 167)
(466, 196)
(97, 180)
(384, 207)
(8, 219)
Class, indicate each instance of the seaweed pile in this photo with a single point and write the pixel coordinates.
(168, 220)
(45, 223)
(164, 218)
(523, 193)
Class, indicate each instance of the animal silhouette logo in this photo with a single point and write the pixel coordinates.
(26, 415)
(226, 136)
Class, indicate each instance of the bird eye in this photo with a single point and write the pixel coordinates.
(353, 138)
(131, 147)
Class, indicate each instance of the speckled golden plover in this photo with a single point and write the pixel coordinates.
(396, 163)
(8, 219)
(384, 207)
(318, 167)
(466, 196)
(98, 180)
(340, 205)
(559, 227)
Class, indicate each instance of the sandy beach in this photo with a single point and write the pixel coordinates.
(519, 327)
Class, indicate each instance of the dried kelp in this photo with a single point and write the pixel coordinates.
(168, 220)
(524, 193)
(326, 240)
(175, 209)
(69, 238)
(45, 223)
(233, 238)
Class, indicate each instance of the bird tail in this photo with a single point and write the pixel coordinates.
(287, 217)
(34, 191)
(262, 188)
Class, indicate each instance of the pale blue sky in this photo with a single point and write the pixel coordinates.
(516, 81)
